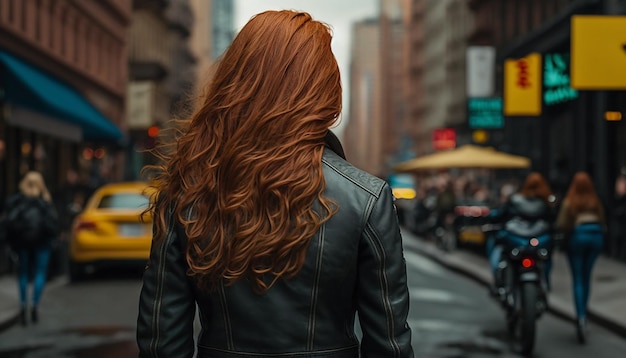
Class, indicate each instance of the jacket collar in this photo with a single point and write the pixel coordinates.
(332, 142)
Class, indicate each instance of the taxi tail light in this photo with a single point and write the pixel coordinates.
(85, 225)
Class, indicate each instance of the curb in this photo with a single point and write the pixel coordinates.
(6, 323)
(11, 317)
(554, 308)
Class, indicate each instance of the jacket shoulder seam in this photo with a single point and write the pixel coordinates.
(337, 170)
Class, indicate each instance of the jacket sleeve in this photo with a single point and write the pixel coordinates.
(382, 292)
(166, 304)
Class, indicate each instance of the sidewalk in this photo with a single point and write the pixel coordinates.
(9, 305)
(9, 299)
(607, 305)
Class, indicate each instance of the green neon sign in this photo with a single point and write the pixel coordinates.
(485, 113)
(556, 79)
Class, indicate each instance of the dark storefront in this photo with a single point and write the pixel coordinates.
(576, 130)
(46, 125)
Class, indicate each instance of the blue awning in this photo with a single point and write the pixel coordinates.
(32, 88)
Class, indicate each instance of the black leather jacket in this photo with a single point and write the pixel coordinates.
(355, 265)
(526, 217)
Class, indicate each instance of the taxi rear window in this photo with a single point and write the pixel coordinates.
(124, 201)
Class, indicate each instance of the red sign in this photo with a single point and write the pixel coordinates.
(444, 138)
(522, 73)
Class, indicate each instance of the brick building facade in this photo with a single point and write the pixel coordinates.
(63, 74)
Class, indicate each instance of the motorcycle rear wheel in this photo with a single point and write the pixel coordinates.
(524, 324)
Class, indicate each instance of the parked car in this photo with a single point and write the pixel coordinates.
(112, 229)
(470, 216)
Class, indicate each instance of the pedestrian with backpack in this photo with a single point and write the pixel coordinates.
(31, 226)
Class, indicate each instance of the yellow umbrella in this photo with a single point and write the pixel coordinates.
(466, 156)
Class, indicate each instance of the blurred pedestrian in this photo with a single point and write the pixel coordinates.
(617, 220)
(581, 218)
(506, 190)
(445, 202)
(263, 225)
(32, 225)
(491, 240)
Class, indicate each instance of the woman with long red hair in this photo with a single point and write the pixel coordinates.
(260, 221)
(582, 219)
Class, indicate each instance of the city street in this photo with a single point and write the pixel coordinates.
(93, 319)
(254, 126)
(451, 316)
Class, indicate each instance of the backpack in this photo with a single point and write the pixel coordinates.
(30, 222)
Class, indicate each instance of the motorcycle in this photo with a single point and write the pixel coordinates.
(522, 283)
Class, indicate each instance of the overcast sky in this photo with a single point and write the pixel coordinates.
(339, 14)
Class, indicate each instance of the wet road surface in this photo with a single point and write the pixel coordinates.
(451, 316)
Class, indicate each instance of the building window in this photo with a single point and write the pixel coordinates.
(10, 7)
(23, 16)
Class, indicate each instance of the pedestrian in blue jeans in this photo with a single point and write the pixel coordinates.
(36, 259)
(581, 218)
(31, 224)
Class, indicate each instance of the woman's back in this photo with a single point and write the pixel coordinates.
(354, 263)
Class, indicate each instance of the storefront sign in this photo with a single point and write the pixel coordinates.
(485, 113)
(481, 64)
(598, 44)
(444, 138)
(556, 80)
(522, 86)
(42, 123)
(402, 186)
(140, 104)
(480, 136)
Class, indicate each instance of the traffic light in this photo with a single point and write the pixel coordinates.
(153, 132)
(151, 140)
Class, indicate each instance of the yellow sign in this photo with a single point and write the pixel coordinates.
(613, 116)
(598, 52)
(404, 193)
(522, 86)
(480, 136)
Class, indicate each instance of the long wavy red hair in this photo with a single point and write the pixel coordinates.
(581, 196)
(248, 161)
(536, 186)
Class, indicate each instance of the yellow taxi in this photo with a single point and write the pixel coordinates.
(112, 229)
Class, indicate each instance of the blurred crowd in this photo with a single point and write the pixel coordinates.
(442, 192)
